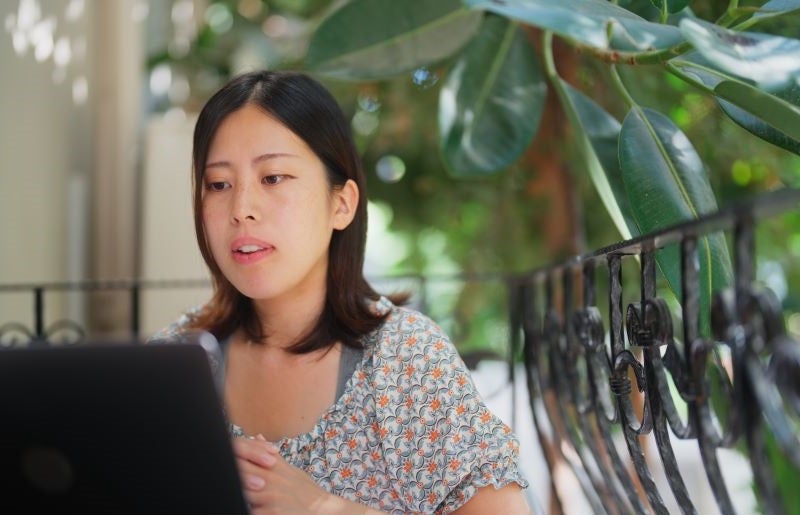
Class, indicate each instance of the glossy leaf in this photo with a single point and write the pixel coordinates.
(598, 135)
(587, 21)
(491, 104)
(696, 69)
(774, 111)
(374, 39)
(770, 61)
(777, 8)
(756, 125)
(673, 6)
(665, 175)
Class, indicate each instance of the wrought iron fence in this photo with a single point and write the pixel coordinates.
(69, 331)
(594, 376)
(600, 373)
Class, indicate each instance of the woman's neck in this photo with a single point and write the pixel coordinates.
(289, 318)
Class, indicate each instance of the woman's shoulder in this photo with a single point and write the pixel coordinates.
(407, 334)
(404, 320)
(426, 404)
(178, 326)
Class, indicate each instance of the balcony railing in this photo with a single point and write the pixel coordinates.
(70, 331)
(596, 376)
(609, 380)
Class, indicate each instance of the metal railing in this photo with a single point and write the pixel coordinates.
(68, 331)
(596, 378)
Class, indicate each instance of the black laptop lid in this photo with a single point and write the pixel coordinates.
(114, 428)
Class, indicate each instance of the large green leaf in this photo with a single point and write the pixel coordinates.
(752, 109)
(772, 62)
(597, 23)
(775, 8)
(774, 111)
(665, 175)
(374, 39)
(759, 127)
(598, 136)
(492, 101)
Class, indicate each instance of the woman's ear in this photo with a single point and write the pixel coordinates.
(345, 201)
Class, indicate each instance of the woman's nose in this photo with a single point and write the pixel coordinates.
(244, 205)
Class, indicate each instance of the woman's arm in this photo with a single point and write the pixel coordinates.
(341, 506)
(273, 486)
(284, 487)
(488, 499)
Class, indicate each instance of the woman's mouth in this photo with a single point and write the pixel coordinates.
(249, 249)
(245, 252)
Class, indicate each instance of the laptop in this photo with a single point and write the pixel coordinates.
(115, 428)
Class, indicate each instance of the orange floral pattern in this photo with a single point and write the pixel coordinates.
(410, 433)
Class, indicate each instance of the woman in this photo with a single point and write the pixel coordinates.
(343, 402)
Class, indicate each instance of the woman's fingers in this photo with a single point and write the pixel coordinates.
(255, 458)
(256, 451)
(280, 488)
(254, 484)
(252, 475)
(262, 471)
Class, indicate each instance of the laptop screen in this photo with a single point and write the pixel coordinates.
(114, 428)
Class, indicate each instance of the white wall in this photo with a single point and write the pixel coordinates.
(169, 249)
(70, 208)
(45, 153)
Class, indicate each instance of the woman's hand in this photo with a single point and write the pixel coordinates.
(271, 485)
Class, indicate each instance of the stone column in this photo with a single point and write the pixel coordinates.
(117, 102)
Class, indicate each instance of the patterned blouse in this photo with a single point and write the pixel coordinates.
(410, 433)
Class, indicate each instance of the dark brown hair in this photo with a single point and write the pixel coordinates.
(306, 108)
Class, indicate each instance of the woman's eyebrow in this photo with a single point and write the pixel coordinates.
(263, 157)
(272, 155)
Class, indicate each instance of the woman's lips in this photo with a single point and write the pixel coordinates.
(249, 250)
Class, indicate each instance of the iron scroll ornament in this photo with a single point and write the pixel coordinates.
(60, 332)
(763, 371)
(766, 367)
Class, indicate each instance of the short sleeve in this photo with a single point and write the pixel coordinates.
(441, 443)
(176, 327)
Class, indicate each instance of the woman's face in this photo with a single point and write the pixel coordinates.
(268, 209)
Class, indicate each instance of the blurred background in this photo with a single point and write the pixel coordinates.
(99, 99)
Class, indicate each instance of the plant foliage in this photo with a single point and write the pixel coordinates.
(646, 170)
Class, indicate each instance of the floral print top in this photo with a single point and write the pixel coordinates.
(410, 433)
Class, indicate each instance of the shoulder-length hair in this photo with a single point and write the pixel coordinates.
(306, 108)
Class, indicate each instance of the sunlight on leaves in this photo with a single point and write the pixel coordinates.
(596, 23)
(770, 61)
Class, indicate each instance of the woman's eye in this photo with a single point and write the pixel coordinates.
(273, 179)
(217, 186)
